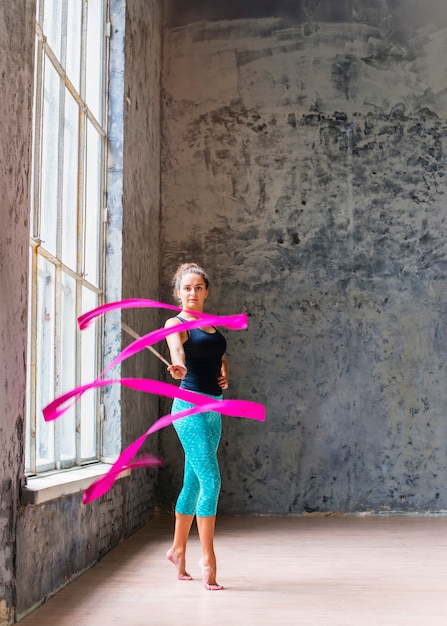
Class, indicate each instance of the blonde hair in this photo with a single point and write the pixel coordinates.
(188, 268)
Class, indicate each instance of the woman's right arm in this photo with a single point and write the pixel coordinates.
(175, 344)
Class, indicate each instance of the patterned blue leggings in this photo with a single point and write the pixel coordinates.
(199, 435)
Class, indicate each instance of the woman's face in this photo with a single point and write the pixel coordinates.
(192, 292)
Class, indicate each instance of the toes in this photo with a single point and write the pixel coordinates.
(213, 587)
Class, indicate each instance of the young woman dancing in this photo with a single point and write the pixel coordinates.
(199, 362)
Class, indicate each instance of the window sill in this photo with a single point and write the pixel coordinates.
(40, 489)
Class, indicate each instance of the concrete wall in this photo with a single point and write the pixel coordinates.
(43, 547)
(141, 205)
(16, 77)
(304, 164)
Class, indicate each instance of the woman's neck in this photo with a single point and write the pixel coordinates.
(187, 314)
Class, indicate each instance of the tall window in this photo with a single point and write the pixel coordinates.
(67, 228)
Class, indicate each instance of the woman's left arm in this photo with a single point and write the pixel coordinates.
(224, 374)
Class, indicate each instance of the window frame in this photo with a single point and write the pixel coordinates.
(38, 252)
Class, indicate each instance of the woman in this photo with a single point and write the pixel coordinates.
(198, 360)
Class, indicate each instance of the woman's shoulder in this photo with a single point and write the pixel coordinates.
(172, 321)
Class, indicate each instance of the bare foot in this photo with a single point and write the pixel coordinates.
(209, 577)
(179, 563)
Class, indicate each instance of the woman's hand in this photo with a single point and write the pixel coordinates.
(222, 381)
(177, 371)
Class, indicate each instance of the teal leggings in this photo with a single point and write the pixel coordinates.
(199, 435)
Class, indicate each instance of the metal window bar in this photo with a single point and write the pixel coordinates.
(60, 188)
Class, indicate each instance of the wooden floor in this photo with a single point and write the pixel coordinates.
(310, 571)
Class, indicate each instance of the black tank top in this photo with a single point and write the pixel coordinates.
(204, 352)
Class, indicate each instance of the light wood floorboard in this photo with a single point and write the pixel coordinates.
(303, 571)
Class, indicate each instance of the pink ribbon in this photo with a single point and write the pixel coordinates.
(86, 319)
(236, 322)
(236, 408)
(132, 303)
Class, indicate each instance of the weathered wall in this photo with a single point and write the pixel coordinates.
(16, 77)
(43, 547)
(304, 162)
(141, 202)
(59, 540)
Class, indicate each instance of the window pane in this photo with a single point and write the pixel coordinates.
(68, 366)
(70, 193)
(52, 24)
(45, 361)
(94, 60)
(50, 143)
(74, 21)
(88, 374)
(92, 204)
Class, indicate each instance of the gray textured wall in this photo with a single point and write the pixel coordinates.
(16, 77)
(43, 547)
(304, 156)
(141, 203)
